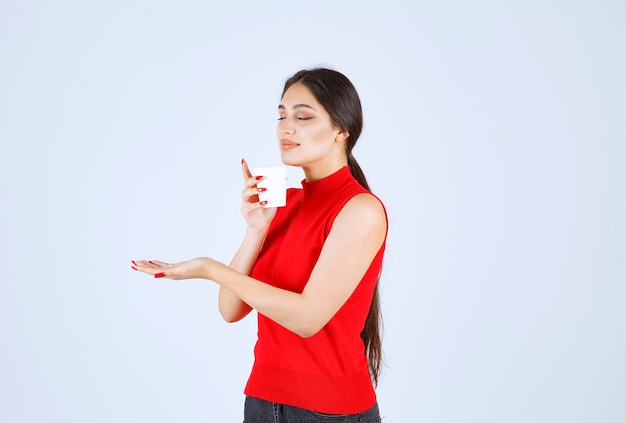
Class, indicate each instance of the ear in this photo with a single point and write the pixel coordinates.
(342, 135)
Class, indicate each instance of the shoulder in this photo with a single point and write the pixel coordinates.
(364, 209)
(361, 224)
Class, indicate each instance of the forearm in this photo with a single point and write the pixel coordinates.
(231, 307)
(287, 308)
(247, 254)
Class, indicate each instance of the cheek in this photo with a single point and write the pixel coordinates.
(320, 135)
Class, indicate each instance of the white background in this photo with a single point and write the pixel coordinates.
(494, 133)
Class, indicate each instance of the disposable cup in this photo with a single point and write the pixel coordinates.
(275, 183)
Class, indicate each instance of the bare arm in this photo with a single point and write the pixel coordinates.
(230, 305)
(357, 235)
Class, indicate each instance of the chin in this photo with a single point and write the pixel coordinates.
(289, 161)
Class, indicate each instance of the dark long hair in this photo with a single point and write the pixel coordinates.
(338, 96)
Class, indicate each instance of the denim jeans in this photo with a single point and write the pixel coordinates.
(261, 411)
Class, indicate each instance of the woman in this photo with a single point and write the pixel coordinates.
(310, 269)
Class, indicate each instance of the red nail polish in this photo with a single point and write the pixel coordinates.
(133, 261)
(133, 267)
(159, 275)
(258, 178)
(261, 189)
(263, 203)
(150, 261)
(242, 160)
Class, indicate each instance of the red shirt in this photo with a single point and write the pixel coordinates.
(327, 372)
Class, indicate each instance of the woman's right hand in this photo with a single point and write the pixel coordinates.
(256, 214)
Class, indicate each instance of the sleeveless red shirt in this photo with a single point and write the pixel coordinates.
(327, 372)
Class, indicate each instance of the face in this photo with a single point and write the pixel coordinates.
(306, 135)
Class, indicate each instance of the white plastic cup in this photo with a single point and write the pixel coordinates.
(275, 182)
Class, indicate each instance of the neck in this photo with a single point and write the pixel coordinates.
(325, 166)
(315, 173)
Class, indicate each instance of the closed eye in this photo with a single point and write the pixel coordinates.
(299, 118)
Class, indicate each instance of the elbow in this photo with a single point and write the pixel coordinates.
(232, 309)
(230, 319)
(309, 327)
(309, 319)
(307, 333)
(231, 315)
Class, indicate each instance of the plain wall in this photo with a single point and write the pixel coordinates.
(494, 133)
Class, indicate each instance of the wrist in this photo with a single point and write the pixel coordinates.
(208, 268)
(257, 232)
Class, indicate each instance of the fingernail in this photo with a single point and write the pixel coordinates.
(159, 275)
(242, 160)
(133, 261)
(258, 178)
(263, 203)
(150, 261)
(261, 189)
(133, 267)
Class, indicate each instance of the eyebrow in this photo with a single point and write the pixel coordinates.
(297, 106)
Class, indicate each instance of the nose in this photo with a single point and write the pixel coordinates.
(285, 128)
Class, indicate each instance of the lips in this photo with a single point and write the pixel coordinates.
(287, 145)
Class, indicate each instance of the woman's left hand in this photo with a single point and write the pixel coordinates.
(191, 269)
